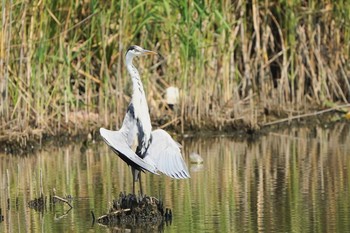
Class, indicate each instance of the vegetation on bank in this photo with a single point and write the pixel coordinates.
(235, 62)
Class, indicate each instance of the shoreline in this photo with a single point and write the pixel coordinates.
(14, 144)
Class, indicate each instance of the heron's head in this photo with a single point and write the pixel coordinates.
(136, 51)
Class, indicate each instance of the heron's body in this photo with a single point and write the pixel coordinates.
(138, 111)
(155, 150)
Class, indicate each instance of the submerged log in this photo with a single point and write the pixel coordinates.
(134, 210)
(38, 204)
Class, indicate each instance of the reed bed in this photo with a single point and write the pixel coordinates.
(236, 63)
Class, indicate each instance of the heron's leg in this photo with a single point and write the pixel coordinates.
(140, 184)
(133, 183)
(135, 175)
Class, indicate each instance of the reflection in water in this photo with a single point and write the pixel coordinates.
(292, 181)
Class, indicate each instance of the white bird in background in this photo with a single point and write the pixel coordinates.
(155, 150)
(172, 96)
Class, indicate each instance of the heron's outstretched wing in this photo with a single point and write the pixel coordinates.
(165, 153)
(118, 143)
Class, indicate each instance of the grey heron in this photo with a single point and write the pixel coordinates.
(156, 151)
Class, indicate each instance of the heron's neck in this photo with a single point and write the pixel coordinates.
(138, 91)
(139, 98)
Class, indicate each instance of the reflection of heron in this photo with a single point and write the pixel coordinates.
(196, 158)
(196, 162)
(155, 150)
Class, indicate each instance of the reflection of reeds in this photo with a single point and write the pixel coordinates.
(63, 69)
(291, 180)
(284, 182)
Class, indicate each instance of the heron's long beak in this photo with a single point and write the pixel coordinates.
(146, 52)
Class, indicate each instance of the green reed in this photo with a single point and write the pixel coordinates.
(62, 63)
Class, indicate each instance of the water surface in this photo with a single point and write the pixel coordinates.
(294, 180)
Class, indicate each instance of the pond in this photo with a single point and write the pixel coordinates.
(294, 180)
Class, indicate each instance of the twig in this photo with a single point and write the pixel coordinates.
(63, 215)
(115, 212)
(8, 189)
(63, 200)
(41, 184)
(169, 123)
(87, 75)
(93, 217)
(306, 115)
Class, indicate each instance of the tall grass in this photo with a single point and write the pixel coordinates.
(62, 63)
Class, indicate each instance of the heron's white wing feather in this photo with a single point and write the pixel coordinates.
(118, 142)
(129, 125)
(165, 153)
